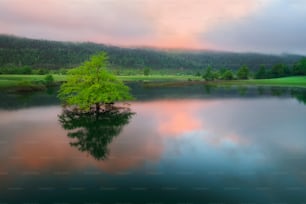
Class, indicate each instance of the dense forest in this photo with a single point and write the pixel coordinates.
(21, 52)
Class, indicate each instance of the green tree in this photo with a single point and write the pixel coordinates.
(49, 80)
(216, 74)
(25, 70)
(243, 72)
(146, 71)
(228, 75)
(278, 70)
(261, 73)
(221, 72)
(208, 74)
(62, 71)
(299, 68)
(91, 84)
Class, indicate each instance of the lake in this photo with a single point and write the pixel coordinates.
(176, 144)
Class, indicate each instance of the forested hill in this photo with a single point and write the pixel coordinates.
(15, 51)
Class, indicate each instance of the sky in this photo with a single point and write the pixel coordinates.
(267, 26)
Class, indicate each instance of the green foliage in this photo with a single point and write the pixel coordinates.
(228, 75)
(300, 67)
(216, 74)
(261, 73)
(278, 70)
(243, 72)
(40, 71)
(63, 71)
(20, 52)
(26, 70)
(92, 84)
(28, 86)
(16, 70)
(208, 74)
(25, 83)
(146, 71)
(49, 80)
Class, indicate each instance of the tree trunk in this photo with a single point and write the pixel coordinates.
(97, 107)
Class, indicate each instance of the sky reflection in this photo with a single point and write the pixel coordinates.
(234, 149)
(241, 131)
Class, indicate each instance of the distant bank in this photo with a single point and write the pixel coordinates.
(36, 82)
(22, 53)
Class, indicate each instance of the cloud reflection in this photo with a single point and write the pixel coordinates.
(159, 128)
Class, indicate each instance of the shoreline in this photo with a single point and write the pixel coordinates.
(24, 83)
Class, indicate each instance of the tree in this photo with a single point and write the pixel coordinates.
(146, 71)
(216, 74)
(300, 67)
(198, 74)
(261, 73)
(278, 70)
(243, 72)
(208, 74)
(91, 84)
(228, 75)
(49, 80)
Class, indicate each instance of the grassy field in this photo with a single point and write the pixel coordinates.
(11, 81)
(7, 81)
(159, 78)
(18, 81)
(17, 77)
(297, 81)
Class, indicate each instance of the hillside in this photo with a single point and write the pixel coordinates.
(15, 51)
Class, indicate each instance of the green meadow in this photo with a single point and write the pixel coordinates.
(13, 81)
(295, 81)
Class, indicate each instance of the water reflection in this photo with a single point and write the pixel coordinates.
(299, 95)
(11, 101)
(94, 131)
(217, 147)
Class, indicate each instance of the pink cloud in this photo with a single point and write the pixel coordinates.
(159, 23)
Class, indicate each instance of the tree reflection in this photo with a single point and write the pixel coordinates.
(299, 94)
(278, 91)
(94, 131)
(242, 90)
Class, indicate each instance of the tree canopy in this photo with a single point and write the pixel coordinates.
(208, 74)
(91, 84)
(243, 72)
(300, 67)
(228, 75)
(261, 73)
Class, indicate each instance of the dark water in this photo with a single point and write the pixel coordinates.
(188, 144)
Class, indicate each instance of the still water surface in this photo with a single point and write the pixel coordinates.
(190, 144)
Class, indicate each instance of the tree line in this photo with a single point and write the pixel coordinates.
(22, 53)
(276, 71)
